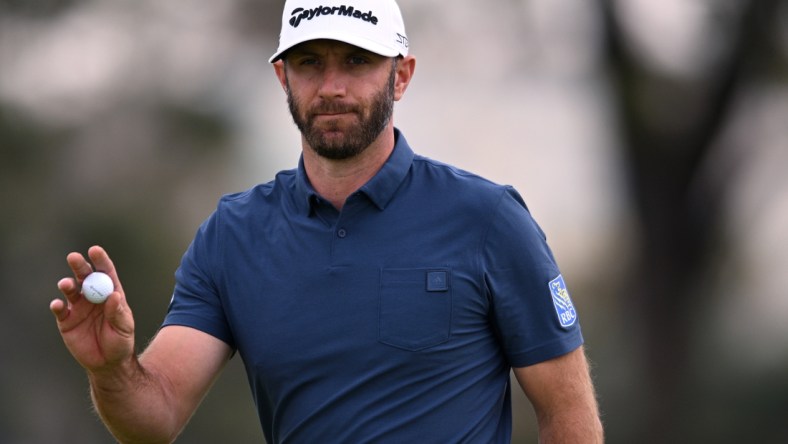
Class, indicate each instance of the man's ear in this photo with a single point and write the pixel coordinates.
(281, 73)
(404, 73)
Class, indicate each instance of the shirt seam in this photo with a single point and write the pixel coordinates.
(481, 262)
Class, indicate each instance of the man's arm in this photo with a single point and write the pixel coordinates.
(149, 398)
(563, 398)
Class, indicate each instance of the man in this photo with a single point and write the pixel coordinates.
(373, 295)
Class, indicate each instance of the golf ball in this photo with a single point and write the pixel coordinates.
(97, 287)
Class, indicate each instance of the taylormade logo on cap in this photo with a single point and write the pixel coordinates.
(299, 14)
(374, 25)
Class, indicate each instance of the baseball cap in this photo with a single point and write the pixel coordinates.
(374, 25)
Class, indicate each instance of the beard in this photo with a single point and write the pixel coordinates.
(355, 138)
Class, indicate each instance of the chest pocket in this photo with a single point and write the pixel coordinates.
(415, 307)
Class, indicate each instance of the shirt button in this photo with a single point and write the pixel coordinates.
(342, 233)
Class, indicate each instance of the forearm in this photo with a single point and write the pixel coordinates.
(563, 398)
(135, 404)
(579, 426)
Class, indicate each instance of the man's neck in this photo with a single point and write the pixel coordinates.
(335, 180)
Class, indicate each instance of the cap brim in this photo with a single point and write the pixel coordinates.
(350, 39)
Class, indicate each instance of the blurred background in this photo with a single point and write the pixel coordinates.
(650, 140)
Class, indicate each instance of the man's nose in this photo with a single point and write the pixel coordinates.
(333, 82)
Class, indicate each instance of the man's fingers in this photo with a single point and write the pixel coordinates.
(103, 263)
(97, 260)
(66, 285)
(59, 308)
(70, 289)
(100, 259)
(79, 265)
(115, 308)
(97, 256)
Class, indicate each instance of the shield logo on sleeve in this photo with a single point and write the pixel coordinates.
(562, 302)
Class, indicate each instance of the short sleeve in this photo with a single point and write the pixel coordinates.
(196, 300)
(532, 310)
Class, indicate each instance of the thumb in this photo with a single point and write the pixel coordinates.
(118, 314)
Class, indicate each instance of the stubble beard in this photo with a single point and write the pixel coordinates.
(356, 138)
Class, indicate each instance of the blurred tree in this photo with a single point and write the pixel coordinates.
(670, 126)
(170, 150)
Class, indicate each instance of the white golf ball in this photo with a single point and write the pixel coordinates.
(97, 287)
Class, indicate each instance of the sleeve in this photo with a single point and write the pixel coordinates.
(196, 301)
(531, 308)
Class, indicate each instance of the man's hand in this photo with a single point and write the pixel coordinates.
(99, 336)
(149, 398)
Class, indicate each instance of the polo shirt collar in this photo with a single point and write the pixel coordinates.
(380, 189)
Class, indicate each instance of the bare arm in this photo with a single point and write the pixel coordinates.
(563, 398)
(149, 398)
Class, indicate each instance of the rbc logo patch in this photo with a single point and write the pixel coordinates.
(563, 304)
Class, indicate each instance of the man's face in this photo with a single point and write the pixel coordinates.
(341, 97)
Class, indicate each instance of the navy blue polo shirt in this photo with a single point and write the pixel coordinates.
(394, 320)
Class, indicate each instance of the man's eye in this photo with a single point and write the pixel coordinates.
(357, 60)
(306, 61)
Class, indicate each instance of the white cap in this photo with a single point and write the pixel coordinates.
(374, 25)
